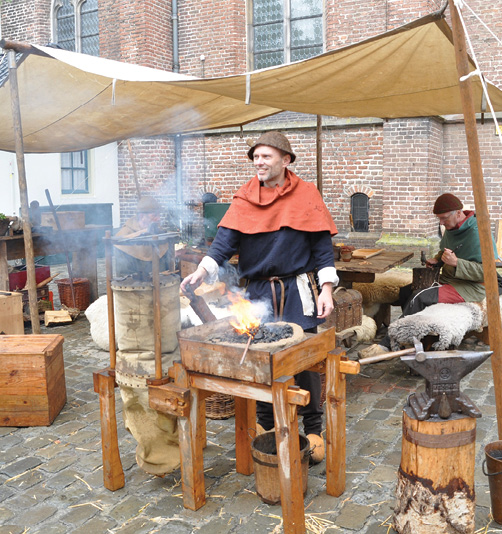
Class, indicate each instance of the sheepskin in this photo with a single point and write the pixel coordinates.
(384, 290)
(97, 315)
(451, 322)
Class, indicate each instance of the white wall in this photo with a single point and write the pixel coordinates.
(43, 172)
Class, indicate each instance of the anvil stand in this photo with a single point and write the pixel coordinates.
(194, 378)
(104, 380)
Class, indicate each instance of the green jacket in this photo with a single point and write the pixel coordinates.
(467, 277)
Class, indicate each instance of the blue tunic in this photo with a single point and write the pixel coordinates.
(284, 253)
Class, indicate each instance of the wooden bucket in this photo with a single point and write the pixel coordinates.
(493, 463)
(264, 453)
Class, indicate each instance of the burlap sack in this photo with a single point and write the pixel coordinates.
(134, 313)
(157, 451)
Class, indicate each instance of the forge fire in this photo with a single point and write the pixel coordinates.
(266, 333)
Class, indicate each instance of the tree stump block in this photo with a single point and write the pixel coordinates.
(435, 488)
(423, 277)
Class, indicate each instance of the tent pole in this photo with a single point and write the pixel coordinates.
(23, 191)
(478, 187)
(319, 152)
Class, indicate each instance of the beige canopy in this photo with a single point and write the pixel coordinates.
(74, 101)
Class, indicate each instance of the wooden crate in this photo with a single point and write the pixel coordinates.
(32, 380)
(11, 313)
(69, 220)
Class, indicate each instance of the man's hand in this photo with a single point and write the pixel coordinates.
(195, 279)
(431, 263)
(325, 301)
(449, 257)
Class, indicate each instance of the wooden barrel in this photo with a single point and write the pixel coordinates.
(435, 489)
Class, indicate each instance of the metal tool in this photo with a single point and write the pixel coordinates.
(417, 350)
(443, 371)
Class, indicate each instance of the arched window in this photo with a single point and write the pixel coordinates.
(359, 210)
(285, 30)
(76, 25)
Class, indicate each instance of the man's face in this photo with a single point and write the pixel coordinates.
(145, 219)
(450, 219)
(270, 165)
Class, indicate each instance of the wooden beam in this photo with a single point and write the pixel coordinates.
(19, 47)
(478, 187)
(23, 194)
(319, 153)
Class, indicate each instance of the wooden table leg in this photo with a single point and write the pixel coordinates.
(288, 453)
(335, 424)
(245, 431)
(4, 269)
(191, 431)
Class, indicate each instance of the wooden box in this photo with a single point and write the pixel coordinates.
(11, 313)
(32, 380)
(260, 366)
(69, 220)
(348, 311)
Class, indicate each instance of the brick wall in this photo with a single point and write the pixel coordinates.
(26, 21)
(215, 29)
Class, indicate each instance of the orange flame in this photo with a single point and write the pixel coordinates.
(246, 321)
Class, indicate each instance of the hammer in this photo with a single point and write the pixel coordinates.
(418, 349)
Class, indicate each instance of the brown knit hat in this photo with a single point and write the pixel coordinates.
(447, 202)
(148, 205)
(274, 139)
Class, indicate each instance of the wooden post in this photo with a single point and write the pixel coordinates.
(157, 333)
(109, 297)
(113, 474)
(478, 187)
(435, 488)
(288, 455)
(319, 153)
(23, 194)
(245, 425)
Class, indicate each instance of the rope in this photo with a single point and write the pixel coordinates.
(478, 72)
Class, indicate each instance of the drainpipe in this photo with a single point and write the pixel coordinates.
(177, 138)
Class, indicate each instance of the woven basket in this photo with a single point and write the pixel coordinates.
(220, 406)
(82, 290)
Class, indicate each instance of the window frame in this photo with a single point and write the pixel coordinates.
(367, 220)
(286, 22)
(77, 14)
(87, 166)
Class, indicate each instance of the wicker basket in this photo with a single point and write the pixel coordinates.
(220, 406)
(82, 289)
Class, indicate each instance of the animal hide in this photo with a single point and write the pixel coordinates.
(385, 288)
(448, 321)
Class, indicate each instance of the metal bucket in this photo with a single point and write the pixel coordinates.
(493, 462)
(264, 453)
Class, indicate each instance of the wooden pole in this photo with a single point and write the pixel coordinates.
(478, 187)
(23, 194)
(134, 169)
(319, 153)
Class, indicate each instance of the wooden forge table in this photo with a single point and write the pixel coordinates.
(82, 242)
(207, 367)
(358, 270)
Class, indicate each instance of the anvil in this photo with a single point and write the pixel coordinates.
(443, 371)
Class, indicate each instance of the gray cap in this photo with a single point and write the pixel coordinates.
(274, 139)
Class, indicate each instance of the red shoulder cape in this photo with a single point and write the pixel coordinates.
(296, 204)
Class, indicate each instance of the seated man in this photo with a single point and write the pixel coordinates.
(459, 258)
(137, 259)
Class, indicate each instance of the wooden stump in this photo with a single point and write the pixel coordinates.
(435, 489)
(423, 277)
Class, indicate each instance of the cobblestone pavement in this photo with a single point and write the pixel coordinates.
(51, 479)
